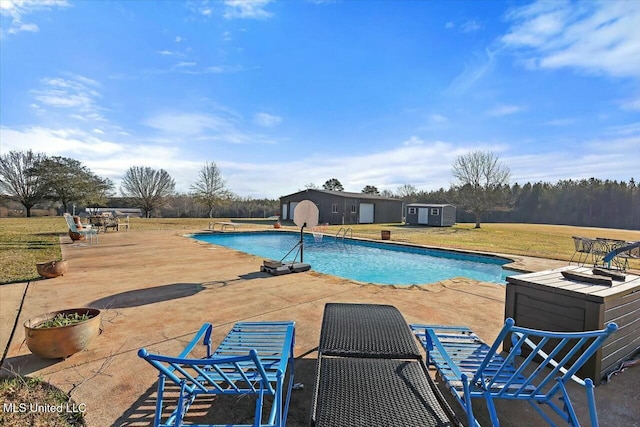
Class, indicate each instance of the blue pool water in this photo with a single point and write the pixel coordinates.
(366, 261)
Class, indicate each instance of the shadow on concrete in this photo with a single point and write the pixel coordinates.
(139, 297)
(224, 409)
(25, 364)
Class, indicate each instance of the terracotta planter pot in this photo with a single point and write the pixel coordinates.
(76, 236)
(51, 268)
(62, 341)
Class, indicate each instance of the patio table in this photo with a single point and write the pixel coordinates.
(370, 372)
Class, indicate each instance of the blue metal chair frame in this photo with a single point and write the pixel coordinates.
(472, 369)
(251, 360)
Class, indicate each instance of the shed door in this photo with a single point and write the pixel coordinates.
(292, 209)
(366, 213)
(284, 211)
(423, 215)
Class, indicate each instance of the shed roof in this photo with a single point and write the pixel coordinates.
(429, 205)
(346, 194)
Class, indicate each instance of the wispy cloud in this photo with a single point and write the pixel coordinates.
(596, 37)
(561, 122)
(75, 93)
(176, 127)
(632, 104)
(266, 120)
(438, 118)
(17, 11)
(476, 69)
(505, 110)
(246, 9)
(470, 26)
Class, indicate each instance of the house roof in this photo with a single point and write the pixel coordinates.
(428, 205)
(346, 194)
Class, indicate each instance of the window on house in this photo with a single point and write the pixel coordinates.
(353, 208)
(334, 208)
(412, 211)
(435, 211)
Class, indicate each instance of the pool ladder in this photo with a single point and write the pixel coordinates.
(344, 232)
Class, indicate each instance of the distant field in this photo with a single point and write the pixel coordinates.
(26, 241)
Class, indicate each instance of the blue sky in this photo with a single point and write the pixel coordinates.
(285, 93)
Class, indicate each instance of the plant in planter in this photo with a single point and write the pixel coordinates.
(60, 334)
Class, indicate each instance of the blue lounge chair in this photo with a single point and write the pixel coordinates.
(252, 360)
(89, 231)
(472, 369)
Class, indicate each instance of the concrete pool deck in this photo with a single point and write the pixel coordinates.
(156, 288)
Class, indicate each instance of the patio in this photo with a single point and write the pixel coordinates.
(156, 288)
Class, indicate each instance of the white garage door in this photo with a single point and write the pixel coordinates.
(366, 213)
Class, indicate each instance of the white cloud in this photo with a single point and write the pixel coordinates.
(596, 37)
(18, 10)
(177, 127)
(470, 26)
(449, 25)
(185, 64)
(505, 110)
(180, 39)
(473, 72)
(266, 120)
(246, 9)
(76, 94)
(438, 118)
(632, 104)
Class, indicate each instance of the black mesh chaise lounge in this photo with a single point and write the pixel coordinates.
(370, 372)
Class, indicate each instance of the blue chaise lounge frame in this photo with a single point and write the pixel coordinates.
(472, 369)
(251, 360)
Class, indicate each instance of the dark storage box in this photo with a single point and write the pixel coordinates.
(547, 300)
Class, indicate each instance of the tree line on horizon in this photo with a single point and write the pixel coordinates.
(482, 193)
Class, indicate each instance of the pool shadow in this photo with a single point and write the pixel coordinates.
(139, 297)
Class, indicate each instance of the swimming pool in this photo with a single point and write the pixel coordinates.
(366, 261)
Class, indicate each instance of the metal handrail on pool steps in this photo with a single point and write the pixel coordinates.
(344, 232)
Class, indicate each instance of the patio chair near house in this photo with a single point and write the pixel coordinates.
(536, 369)
(251, 361)
(85, 231)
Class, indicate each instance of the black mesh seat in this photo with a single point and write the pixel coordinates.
(377, 392)
(370, 372)
(366, 330)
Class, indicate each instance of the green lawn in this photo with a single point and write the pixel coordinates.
(27, 241)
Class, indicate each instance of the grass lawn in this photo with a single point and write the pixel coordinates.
(27, 241)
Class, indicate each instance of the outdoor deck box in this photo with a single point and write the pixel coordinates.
(547, 300)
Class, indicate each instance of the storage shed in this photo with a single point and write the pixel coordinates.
(341, 207)
(437, 215)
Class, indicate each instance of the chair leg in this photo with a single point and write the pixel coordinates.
(591, 400)
(467, 402)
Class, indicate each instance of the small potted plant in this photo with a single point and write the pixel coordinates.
(60, 334)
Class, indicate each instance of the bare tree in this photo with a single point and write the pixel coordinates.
(149, 186)
(407, 192)
(210, 187)
(482, 180)
(16, 178)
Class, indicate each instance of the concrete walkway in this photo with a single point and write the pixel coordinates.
(156, 288)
